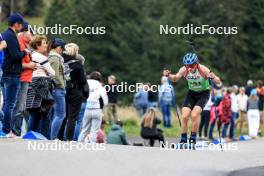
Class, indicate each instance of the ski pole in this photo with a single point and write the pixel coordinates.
(174, 102)
(216, 115)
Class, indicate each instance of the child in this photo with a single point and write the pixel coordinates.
(101, 134)
(253, 113)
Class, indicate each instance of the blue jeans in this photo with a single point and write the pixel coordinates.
(152, 104)
(142, 109)
(59, 112)
(225, 127)
(78, 125)
(1, 112)
(166, 114)
(20, 108)
(232, 124)
(10, 87)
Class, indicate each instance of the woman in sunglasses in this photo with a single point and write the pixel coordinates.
(197, 76)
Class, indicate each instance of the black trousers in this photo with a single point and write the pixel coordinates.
(205, 119)
(74, 101)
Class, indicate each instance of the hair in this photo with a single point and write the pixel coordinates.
(242, 89)
(120, 123)
(52, 45)
(36, 41)
(259, 83)
(71, 49)
(80, 58)
(96, 76)
(10, 24)
(112, 77)
(149, 118)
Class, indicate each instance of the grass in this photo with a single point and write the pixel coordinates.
(131, 121)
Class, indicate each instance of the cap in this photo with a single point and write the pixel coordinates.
(59, 42)
(16, 18)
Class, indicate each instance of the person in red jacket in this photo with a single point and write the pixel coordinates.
(225, 112)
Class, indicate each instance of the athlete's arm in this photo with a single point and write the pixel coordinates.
(209, 74)
(174, 77)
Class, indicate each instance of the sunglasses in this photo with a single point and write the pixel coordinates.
(191, 66)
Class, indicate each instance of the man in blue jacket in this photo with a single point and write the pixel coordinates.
(12, 67)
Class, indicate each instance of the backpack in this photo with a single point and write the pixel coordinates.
(67, 72)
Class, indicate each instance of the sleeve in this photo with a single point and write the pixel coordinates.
(82, 77)
(104, 96)
(48, 68)
(14, 51)
(55, 65)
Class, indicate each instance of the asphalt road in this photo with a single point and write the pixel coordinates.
(18, 158)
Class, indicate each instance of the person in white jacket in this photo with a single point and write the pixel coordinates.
(93, 114)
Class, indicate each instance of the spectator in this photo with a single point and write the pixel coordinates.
(93, 114)
(234, 108)
(166, 96)
(12, 68)
(113, 96)
(152, 97)
(56, 47)
(214, 111)
(83, 107)
(260, 91)
(205, 119)
(76, 90)
(242, 99)
(249, 87)
(116, 135)
(39, 99)
(141, 100)
(28, 66)
(253, 114)
(101, 134)
(225, 112)
(149, 128)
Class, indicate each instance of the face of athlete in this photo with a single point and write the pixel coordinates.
(191, 68)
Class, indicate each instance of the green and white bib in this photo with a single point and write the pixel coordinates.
(196, 82)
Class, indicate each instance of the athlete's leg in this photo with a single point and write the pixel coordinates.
(186, 111)
(195, 115)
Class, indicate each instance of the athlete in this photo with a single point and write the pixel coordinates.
(197, 76)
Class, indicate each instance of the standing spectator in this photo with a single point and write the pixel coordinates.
(76, 89)
(116, 135)
(93, 114)
(225, 112)
(83, 107)
(39, 99)
(112, 96)
(249, 87)
(12, 68)
(242, 99)
(56, 47)
(205, 119)
(28, 66)
(141, 100)
(260, 91)
(165, 99)
(2, 46)
(253, 114)
(152, 97)
(234, 108)
(149, 128)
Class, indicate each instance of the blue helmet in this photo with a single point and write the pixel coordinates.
(190, 58)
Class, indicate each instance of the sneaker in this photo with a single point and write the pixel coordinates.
(182, 144)
(2, 134)
(192, 144)
(12, 135)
